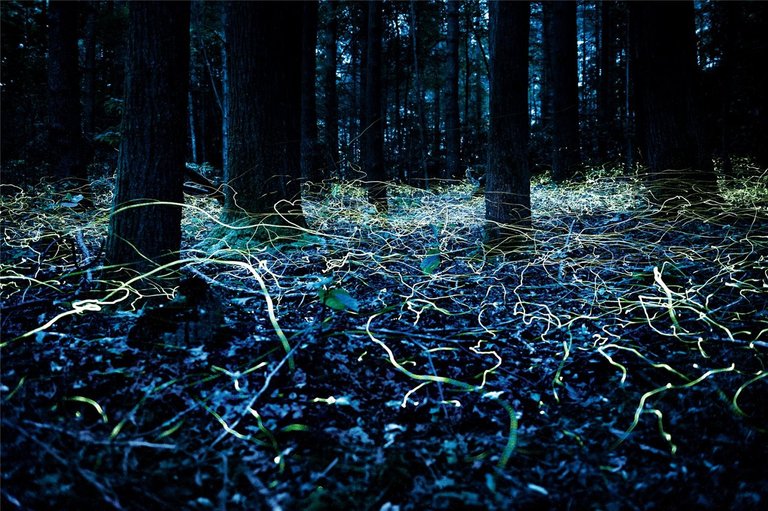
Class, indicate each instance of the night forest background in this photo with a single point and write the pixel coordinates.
(384, 255)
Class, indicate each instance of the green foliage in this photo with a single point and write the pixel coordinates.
(431, 262)
(338, 299)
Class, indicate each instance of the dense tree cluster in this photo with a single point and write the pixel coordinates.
(417, 92)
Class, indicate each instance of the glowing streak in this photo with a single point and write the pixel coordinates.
(668, 386)
(760, 376)
(419, 377)
(93, 403)
(623, 369)
(410, 392)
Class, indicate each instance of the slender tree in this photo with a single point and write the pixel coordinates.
(65, 141)
(331, 134)
(452, 121)
(663, 46)
(373, 137)
(560, 32)
(263, 59)
(608, 131)
(310, 161)
(89, 70)
(421, 123)
(507, 192)
(153, 145)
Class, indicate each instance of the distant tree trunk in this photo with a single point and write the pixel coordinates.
(743, 42)
(663, 45)
(421, 123)
(310, 161)
(225, 94)
(507, 192)
(546, 81)
(329, 83)
(65, 141)
(560, 31)
(606, 104)
(436, 168)
(361, 117)
(373, 138)
(89, 72)
(467, 71)
(263, 108)
(452, 121)
(153, 145)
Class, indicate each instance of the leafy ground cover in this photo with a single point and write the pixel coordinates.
(384, 363)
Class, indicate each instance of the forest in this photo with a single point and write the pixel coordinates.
(383, 255)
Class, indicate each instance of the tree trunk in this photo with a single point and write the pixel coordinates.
(65, 141)
(663, 45)
(310, 164)
(560, 30)
(606, 103)
(452, 122)
(329, 83)
(373, 138)
(507, 192)
(153, 145)
(421, 123)
(89, 72)
(263, 108)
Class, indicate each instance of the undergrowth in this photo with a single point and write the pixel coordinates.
(393, 362)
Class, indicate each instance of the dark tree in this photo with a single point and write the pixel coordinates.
(663, 46)
(310, 161)
(263, 164)
(89, 70)
(153, 145)
(508, 181)
(331, 135)
(421, 122)
(373, 137)
(452, 122)
(742, 41)
(608, 131)
(65, 141)
(560, 32)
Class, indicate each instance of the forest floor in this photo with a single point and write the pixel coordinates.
(393, 362)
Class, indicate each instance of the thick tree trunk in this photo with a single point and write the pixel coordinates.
(151, 161)
(560, 31)
(263, 164)
(65, 141)
(664, 76)
(373, 138)
(507, 192)
(329, 83)
(310, 161)
(452, 121)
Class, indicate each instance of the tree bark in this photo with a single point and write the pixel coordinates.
(373, 138)
(310, 162)
(606, 97)
(421, 123)
(664, 75)
(153, 145)
(507, 192)
(89, 72)
(329, 83)
(560, 31)
(65, 140)
(263, 164)
(452, 121)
